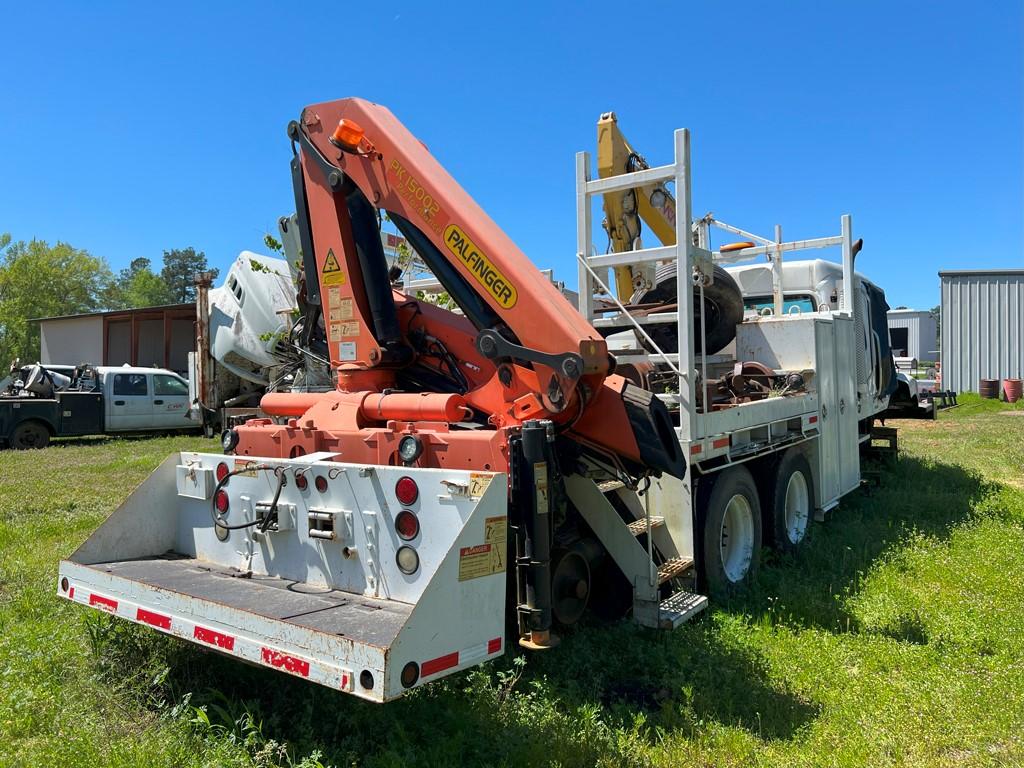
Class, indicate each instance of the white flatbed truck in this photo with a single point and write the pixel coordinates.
(375, 579)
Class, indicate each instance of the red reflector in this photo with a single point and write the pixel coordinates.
(222, 472)
(321, 483)
(812, 420)
(221, 501)
(407, 525)
(721, 443)
(406, 490)
(493, 646)
(209, 636)
(694, 449)
(301, 481)
(153, 619)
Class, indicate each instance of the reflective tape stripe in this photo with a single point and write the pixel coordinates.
(103, 603)
(251, 649)
(466, 656)
(211, 637)
(153, 619)
(288, 663)
(440, 664)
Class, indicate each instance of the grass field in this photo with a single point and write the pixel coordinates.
(895, 637)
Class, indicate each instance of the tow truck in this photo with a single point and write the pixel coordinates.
(480, 479)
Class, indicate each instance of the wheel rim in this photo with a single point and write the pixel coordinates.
(798, 507)
(30, 438)
(737, 538)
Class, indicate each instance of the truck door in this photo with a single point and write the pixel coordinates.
(170, 402)
(129, 403)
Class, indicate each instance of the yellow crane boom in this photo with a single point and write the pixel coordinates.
(623, 210)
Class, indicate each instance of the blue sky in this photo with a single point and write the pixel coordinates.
(126, 129)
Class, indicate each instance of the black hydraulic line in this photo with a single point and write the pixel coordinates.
(374, 267)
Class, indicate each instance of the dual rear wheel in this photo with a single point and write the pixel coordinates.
(737, 505)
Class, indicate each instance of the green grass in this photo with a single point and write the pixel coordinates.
(895, 637)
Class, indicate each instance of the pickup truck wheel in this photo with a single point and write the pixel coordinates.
(732, 532)
(791, 496)
(30, 434)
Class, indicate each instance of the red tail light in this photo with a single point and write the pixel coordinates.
(407, 525)
(221, 501)
(222, 472)
(321, 483)
(406, 490)
(301, 481)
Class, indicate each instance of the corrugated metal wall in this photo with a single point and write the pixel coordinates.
(982, 327)
(921, 341)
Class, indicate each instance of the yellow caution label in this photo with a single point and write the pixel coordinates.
(245, 467)
(331, 273)
(478, 483)
(496, 530)
(482, 268)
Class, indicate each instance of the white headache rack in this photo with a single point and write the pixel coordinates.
(693, 259)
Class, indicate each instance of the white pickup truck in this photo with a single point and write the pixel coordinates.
(107, 399)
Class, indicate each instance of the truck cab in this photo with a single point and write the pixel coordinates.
(137, 399)
(43, 403)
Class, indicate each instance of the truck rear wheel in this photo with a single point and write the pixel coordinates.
(732, 532)
(791, 496)
(30, 434)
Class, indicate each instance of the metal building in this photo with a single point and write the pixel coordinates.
(158, 336)
(913, 333)
(982, 326)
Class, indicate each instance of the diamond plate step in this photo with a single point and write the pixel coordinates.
(677, 608)
(672, 568)
(639, 527)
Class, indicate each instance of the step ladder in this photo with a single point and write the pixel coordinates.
(642, 548)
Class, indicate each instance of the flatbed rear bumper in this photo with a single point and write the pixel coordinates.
(362, 644)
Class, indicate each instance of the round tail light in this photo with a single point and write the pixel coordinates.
(300, 481)
(407, 525)
(222, 472)
(220, 501)
(321, 483)
(410, 674)
(407, 559)
(406, 490)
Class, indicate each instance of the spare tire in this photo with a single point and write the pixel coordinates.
(723, 310)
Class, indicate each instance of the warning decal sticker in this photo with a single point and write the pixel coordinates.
(495, 530)
(245, 467)
(481, 560)
(331, 274)
(478, 484)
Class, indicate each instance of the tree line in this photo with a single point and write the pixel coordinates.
(42, 280)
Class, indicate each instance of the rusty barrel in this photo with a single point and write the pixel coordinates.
(989, 388)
